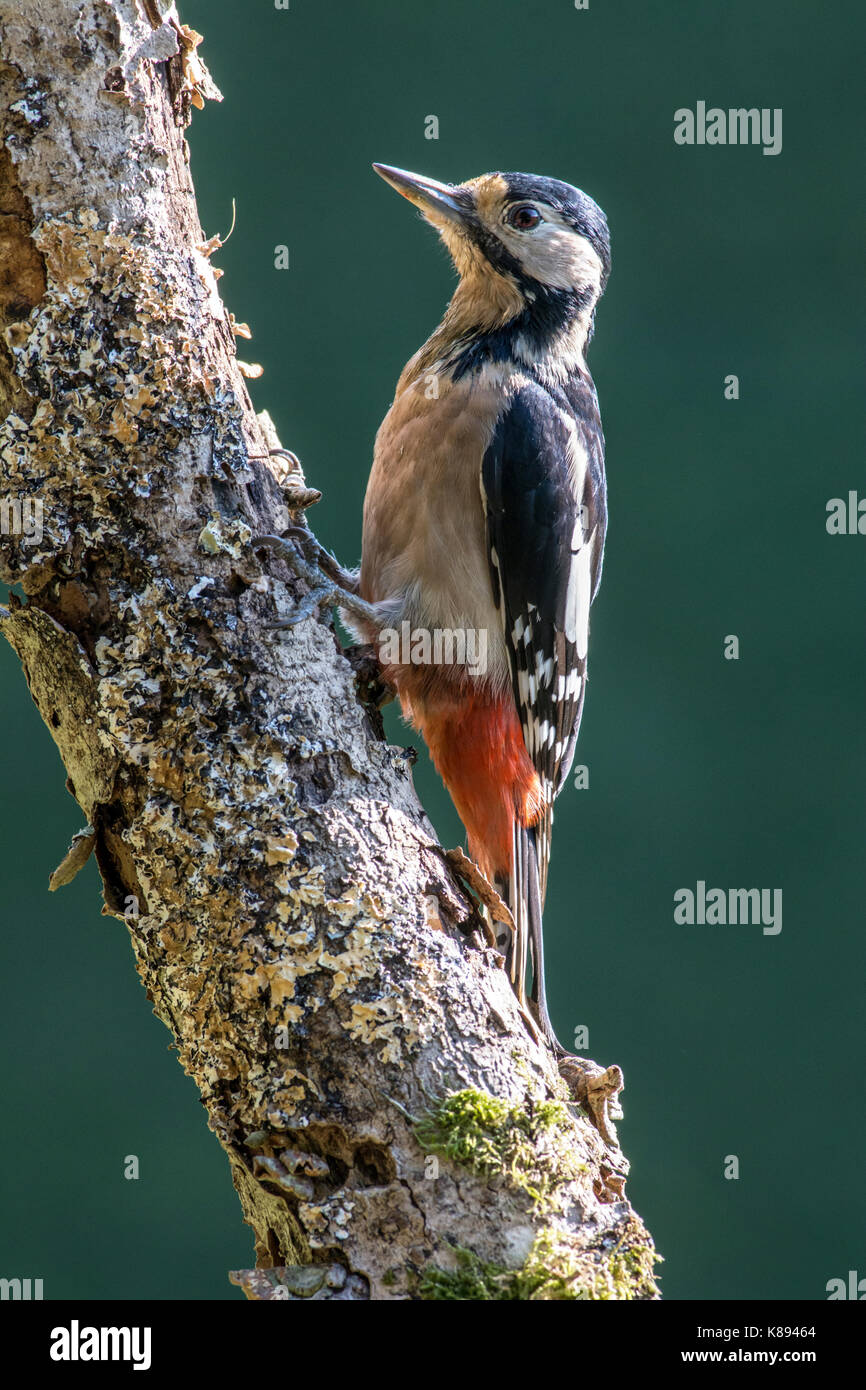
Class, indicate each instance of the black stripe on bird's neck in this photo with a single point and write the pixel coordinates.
(530, 336)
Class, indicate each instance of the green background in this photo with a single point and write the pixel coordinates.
(742, 773)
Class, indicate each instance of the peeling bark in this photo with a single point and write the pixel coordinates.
(327, 978)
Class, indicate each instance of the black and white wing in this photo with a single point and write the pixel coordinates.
(544, 492)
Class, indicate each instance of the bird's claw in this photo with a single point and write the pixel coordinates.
(328, 582)
(307, 608)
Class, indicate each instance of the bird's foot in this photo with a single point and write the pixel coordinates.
(328, 582)
(596, 1089)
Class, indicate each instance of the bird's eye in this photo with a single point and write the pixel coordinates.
(524, 217)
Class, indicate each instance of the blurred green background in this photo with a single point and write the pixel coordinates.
(742, 773)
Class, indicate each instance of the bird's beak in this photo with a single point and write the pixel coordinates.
(436, 200)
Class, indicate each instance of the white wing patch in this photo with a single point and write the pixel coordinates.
(579, 597)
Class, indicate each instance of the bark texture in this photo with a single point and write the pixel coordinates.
(393, 1129)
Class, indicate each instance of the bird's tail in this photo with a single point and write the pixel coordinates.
(524, 891)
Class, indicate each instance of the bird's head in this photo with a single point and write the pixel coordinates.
(519, 242)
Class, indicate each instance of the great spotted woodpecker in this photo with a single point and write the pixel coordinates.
(485, 515)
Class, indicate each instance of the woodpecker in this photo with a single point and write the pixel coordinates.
(486, 513)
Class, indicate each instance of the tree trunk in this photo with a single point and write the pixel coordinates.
(393, 1128)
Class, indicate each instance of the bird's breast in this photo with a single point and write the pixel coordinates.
(425, 545)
